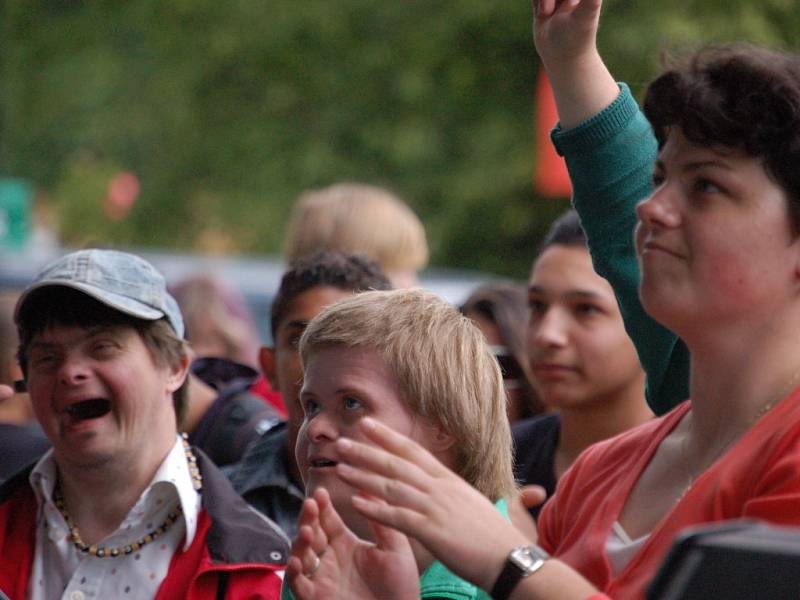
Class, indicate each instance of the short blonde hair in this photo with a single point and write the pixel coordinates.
(358, 219)
(444, 369)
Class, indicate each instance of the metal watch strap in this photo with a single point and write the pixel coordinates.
(513, 572)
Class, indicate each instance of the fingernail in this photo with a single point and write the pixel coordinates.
(368, 423)
(344, 444)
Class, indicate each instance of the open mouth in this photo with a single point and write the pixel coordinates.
(89, 409)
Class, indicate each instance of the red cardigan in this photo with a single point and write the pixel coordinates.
(756, 479)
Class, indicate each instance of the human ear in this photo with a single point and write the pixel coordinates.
(440, 441)
(178, 373)
(266, 358)
(795, 246)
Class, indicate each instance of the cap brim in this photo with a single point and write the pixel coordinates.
(116, 301)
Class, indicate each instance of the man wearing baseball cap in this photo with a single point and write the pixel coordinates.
(121, 507)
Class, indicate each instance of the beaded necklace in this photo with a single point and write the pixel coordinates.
(102, 551)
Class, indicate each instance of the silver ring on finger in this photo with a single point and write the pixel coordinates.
(315, 567)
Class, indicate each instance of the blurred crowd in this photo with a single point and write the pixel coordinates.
(548, 440)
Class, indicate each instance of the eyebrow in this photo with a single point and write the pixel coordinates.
(571, 294)
(88, 334)
(296, 325)
(36, 345)
(349, 389)
(696, 165)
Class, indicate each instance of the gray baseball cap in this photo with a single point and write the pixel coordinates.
(119, 280)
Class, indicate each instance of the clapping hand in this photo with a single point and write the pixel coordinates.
(329, 562)
(409, 489)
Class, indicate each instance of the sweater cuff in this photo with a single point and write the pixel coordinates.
(598, 128)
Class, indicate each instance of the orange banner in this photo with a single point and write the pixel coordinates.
(550, 177)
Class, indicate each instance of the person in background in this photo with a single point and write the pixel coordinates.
(219, 326)
(584, 364)
(225, 409)
(121, 506)
(500, 310)
(268, 476)
(359, 219)
(22, 440)
(391, 356)
(218, 321)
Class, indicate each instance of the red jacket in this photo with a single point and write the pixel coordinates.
(235, 554)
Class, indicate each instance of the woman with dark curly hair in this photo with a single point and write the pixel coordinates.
(718, 246)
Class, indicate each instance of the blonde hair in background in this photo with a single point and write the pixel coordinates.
(444, 369)
(358, 219)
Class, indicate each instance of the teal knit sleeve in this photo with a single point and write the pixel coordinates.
(610, 159)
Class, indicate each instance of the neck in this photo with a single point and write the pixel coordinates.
(99, 498)
(585, 425)
(734, 383)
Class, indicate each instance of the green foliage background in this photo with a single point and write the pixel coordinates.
(227, 110)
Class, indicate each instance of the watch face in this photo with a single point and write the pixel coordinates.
(527, 557)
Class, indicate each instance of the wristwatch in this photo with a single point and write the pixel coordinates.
(521, 562)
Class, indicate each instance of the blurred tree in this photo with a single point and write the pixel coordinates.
(225, 111)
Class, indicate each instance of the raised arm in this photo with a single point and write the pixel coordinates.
(610, 150)
(565, 33)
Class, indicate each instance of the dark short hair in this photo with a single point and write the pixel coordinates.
(736, 96)
(349, 272)
(59, 306)
(566, 230)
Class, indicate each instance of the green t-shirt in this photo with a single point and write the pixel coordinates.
(437, 581)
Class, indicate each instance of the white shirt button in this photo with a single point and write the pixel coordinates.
(76, 595)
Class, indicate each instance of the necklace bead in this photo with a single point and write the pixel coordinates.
(102, 551)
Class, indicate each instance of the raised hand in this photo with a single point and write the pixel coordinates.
(565, 33)
(329, 562)
(409, 489)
